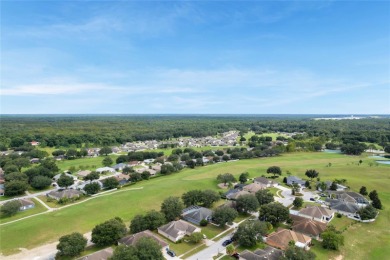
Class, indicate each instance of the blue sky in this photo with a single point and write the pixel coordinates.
(252, 57)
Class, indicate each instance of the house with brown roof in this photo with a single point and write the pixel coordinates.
(265, 182)
(317, 213)
(268, 253)
(122, 178)
(253, 187)
(282, 237)
(103, 254)
(26, 204)
(176, 230)
(133, 239)
(83, 174)
(307, 226)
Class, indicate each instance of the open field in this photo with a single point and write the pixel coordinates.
(362, 241)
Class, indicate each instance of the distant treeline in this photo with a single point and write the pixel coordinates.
(112, 130)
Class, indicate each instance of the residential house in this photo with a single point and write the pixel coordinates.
(196, 214)
(2, 181)
(291, 180)
(134, 163)
(235, 193)
(34, 143)
(349, 196)
(26, 204)
(105, 169)
(61, 194)
(268, 253)
(122, 178)
(81, 186)
(103, 254)
(343, 207)
(35, 160)
(120, 166)
(83, 174)
(93, 152)
(253, 187)
(176, 230)
(281, 239)
(307, 226)
(147, 161)
(265, 182)
(131, 240)
(317, 213)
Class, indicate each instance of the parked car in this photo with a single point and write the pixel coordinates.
(171, 253)
(312, 199)
(227, 242)
(236, 255)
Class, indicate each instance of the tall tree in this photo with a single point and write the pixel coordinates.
(108, 232)
(296, 253)
(249, 232)
(148, 249)
(312, 174)
(274, 213)
(275, 170)
(224, 215)
(107, 161)
(71, 245)
(243, 177)
(225, 178)
(247, 203)
(172, 207)
(363, 191)
(65, 181)
(10, 208)
(105, 151)
(123, 252)
(264, 197)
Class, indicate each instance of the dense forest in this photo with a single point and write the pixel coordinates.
(94, 130)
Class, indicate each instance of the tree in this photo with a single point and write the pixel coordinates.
(127, 170)
(122, 159)
(264, 197)
(65, 181)
(172, 207)
(10, 208)
(331, 239)
(274, 213)
(138, 224)
(50, 164)
(311, 174)
(225, 157)
(110, 183)
(333, 186)
(12, 188)
(322, 186)
(92, 176)
(107, 161)
(243, 177)
(71, 245)
(40, 182)
(21, 162)
(376, 203)
(105, 151)
(368, 212)
(154, 219)
(219, 152)
(296, 253)
(92, 188)
(123, 252)
(225, 178)
(247, 203)
(108, 232)
(145, 175)
(16, 176)
(298, 202)
(71, 153)
(209, 197)
(9, 168)
(275, 170)
(249, 232)
(192, 197)
(195, 237)
(373, 195)
(363, 191)
(148, 249)
(224, 215)
(190, 163)
(135, 176)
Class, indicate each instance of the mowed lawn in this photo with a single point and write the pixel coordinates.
(362, 241)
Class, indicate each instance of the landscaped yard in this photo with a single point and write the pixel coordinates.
(362, 241)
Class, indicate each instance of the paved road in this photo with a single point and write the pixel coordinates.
(212, 250)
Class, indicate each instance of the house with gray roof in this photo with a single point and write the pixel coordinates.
(268, 253)
(295, 180)
(176, 230)
(26, 204)
(64, 194)
(103, 254)
(343, 207)
(105, 169)
(349, 196)
(196, 214)
(120, 166)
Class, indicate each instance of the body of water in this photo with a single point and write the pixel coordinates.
(383, 162)
(332, 151)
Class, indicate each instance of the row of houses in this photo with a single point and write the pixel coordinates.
(259, 183)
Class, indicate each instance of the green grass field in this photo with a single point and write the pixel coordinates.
(362, 241)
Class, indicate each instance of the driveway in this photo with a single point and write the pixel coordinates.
(288, 198)
(213, 250)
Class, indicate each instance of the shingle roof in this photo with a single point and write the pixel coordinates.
(307, 226)
(132, 239)
(103, 254)
(26, 202)
(264, 180)
(268, 253)
(316, 211)
(254, 187)
(343, 206)
(282, 237)
(64, 194)
(196, 213)
(173, 228)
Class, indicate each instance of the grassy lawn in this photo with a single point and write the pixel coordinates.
(211, 230)
(342, 223)
(183, 247)
(86, 163)
(362, 241)
(227, 257)
(193, 252)
(259, 245)
(274, 191)
(21, 214)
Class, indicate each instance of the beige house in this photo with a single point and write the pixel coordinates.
(176, 230)
(282, 237)
(265, 182)
(317, 213)
(133, 239)
(253, 187)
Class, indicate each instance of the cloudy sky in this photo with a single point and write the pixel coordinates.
(252, 57)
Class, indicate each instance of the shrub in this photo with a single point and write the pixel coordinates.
(203, 223)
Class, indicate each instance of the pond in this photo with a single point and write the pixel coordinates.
(383, 162)
(332, 151)
(376, 156)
